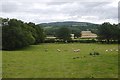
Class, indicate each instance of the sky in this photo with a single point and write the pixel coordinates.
(44, 11)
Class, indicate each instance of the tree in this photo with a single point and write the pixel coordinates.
(108, 32)
(17, 34)
(104, 32)
(37, 32)
(117, 32)
(63, 34)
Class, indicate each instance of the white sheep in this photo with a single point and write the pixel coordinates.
(77, 50)
(74, 50)
(106, 50)
(58, 50)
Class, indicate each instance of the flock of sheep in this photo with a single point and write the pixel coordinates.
(58, 50)
(110, 50)
(78, 50)
(93, 53)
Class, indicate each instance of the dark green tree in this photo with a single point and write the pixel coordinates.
(17, 34)
(104, 31)
(63, 34)
(37, 32)
(108, 32)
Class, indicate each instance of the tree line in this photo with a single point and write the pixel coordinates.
(108, 33)
(18, 34)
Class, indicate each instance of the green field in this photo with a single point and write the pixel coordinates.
(44, 61)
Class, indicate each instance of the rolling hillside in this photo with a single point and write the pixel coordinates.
(75, 27)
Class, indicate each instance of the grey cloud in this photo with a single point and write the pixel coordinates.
(57, 3)
(9, 7)
(119, 12)
(93, 10)
(48, 11)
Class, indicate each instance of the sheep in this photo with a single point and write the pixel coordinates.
(117, 50)
(77, 50)
(74, 50)
(111, 50)
(58, 50)
(106, 50)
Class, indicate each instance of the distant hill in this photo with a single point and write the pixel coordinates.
(75, 27)
(69, 23)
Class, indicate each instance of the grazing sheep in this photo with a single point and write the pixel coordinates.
(110, 50)
(58, 50)
(106, 50)
(77, 50)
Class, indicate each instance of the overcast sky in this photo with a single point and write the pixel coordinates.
(42, 11)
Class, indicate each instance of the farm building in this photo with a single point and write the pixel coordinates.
(88, 34)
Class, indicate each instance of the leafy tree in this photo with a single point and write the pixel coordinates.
(104, 31)
(64, 34)
(108, 32)
(40, 34)
(116, 33)
(17, 34)
(37, 32)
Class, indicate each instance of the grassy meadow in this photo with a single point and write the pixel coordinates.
(44, 61)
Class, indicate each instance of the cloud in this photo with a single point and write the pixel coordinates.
(9, 7)
(50, 10)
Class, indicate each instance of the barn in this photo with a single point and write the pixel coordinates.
(88, 34)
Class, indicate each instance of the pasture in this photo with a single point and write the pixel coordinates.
(61, 61)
